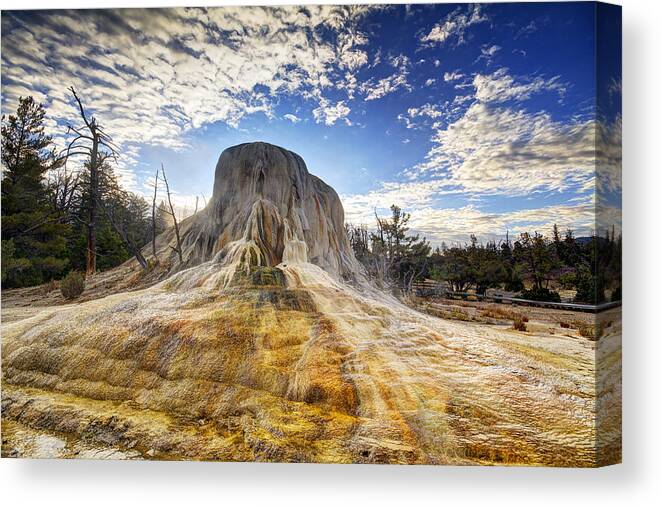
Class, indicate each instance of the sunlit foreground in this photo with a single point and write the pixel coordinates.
(255, 350)
(296, 368)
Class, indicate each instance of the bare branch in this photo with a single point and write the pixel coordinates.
(82, 110)
(122, 234)
(77, 131)
(176, 225)
(153, 217)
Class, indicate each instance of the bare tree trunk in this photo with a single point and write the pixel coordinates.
(174, 218)
(153, 217)
(91, 222)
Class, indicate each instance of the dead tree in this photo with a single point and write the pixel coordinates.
(380, 249)
(174, 218)
(119, 229)
(62, 188)
(153, 217)
(90, 140)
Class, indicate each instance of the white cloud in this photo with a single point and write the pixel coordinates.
(491, 50)
(328, 113)
(488, 52)
(481, 147)
(432, 116)
(526, 30)
(452, 76)
(428, 110)
(461, 99)
(291, 117)
(495, 150)
(608, 145)
(454, 25)
(378, 88)
(615, 87)
(500, 86)
(359, 208)
(351, 57)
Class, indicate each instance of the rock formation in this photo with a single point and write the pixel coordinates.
(267, 209)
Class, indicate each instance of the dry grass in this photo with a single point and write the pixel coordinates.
(587, 329)
(519, 324)
(590, 331)
(50, 286)
(448, 314)
(502, 313)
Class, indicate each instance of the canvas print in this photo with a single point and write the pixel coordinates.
(385, 234)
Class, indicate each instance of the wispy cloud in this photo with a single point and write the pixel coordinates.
(501, 86)
(452, 76)
(377, 88)
(526, 30)
(488, 52)
(329, 113)
(291, 117)
(154, 77)
(456, 224)
(453, 27)
(496, 150)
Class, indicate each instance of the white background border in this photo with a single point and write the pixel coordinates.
(636, 482)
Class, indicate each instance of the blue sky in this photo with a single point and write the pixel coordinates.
(474, 118)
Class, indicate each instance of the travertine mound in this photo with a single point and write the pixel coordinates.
(267, 209)
(257, 348)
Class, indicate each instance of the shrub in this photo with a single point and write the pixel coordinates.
(453, 314)
(519, 324)
(617, 294)
(567, 280)
(589, 331)
(459, 315)
(541, 295)
(49, 287)
(72, 285)
(589, 287)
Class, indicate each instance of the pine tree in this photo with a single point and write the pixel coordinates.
(33, 232)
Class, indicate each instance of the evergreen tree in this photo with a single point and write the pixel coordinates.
(33, 231)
